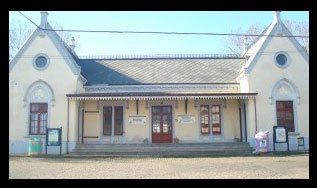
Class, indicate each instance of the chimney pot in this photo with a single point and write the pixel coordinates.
(72, 43)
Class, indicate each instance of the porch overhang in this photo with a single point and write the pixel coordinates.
(158, 96)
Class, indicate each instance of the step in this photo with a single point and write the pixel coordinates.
(158, 146)
(163, 153)
(140, 150)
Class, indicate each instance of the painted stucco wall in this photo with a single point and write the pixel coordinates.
(91, 121)
(137, 132)
(231, 120)
(187, 132)
(262, 78)
(58, 76)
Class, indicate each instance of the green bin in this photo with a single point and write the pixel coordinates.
(35, 146)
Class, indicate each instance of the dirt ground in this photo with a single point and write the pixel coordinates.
(263, 167)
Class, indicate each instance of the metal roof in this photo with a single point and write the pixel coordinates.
(160, 70)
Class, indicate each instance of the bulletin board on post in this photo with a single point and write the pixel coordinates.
(280, 135)
(54, 138)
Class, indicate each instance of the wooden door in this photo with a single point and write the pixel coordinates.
(162, 131)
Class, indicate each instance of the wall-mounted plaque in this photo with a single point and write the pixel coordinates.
(186, 119)
(136, 119)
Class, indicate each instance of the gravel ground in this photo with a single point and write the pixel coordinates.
(280, 167)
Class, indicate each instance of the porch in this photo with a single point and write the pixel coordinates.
(143, 119)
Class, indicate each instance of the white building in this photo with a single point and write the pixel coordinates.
(195, 99)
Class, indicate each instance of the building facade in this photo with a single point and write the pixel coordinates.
(158, 99)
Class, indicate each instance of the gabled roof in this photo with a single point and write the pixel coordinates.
(160, 71)
(263, 41)
(57, 41)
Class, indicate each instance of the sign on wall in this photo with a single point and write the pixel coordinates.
(136, 119)
(186, 119)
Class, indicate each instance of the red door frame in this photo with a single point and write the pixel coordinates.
(162, 137)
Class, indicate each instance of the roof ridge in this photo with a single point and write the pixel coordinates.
(161, 56)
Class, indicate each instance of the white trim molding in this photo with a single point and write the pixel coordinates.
(285, 90)
(43, 88)
(38, 92)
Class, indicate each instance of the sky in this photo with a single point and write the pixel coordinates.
(169, 21)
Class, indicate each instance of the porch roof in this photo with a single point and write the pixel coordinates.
(160, 96)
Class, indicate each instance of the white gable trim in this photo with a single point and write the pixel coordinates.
(253, 60)
(294, 95)
(296, 44)
(55, 39)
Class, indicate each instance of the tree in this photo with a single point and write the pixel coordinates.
(235, 44)
(19, 32)
(299, 29)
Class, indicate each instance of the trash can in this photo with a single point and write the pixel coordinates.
(262, 141)
(35, 146)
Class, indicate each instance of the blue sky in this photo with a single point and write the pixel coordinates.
(180, 21)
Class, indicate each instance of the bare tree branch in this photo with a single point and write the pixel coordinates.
(235, 44)
(18, 33)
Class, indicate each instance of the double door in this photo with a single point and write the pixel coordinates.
(162, 131)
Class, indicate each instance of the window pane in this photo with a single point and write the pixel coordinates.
(279, 104)
(215, 108)
(156, 109)
(166, 109)
(166, 123)
(43, 107)
(41, 62)
(281, 59)
(156, 124)
(35, 107)
(107, 121)
(204, 119)
(118, 121)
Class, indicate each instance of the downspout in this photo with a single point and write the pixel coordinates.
(78, 119)
(67, 125)
(256, 125)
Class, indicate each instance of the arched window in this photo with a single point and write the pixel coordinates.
(38, 99)
(285, 98)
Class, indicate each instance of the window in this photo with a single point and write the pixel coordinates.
(116, 121)
(216, 122)
(38, 118)
(107, 121)
(281, 59)
(204, 119)
(285, 115)
(41, 62)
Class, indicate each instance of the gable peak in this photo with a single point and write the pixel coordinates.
(44, 22)
(278, 21)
